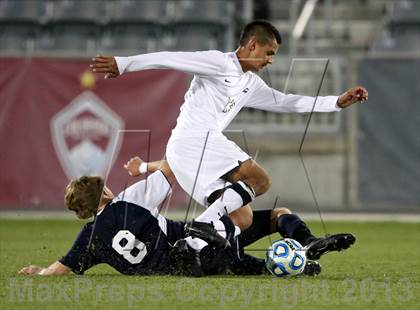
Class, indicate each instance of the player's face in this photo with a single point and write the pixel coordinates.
(262, 55)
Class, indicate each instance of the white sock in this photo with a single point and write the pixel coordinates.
(196, 243)
(237, 231)
(220, 227)
(230, 201)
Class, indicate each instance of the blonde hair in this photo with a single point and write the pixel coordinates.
(83, 196)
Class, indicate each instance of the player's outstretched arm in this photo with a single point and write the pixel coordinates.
(136, 166)
(197, 63)
(203, 63)
(55, 269)
(270, 99)
(105, 64)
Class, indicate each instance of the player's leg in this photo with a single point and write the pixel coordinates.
(233, 198)
(260, 228)
(290, 225)
(242, 217)
(248, 180)
(265, 222)
(196, 257)
(198, 164)
(216, 260)
(185, 259)
(240, 263)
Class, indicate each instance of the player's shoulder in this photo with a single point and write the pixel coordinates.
(119, 208)
(87, 227)
(216, 56)
(212, 54)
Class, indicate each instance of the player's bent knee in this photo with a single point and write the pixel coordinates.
(262, 185)
(253, 175)
(275, 214)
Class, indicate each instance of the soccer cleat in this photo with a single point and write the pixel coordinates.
(186, 261)
(321, 246)
(206, 232)
(312, 268)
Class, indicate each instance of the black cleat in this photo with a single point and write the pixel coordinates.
(206, 232)
(186, 261)
(312, 268)
(321, 246)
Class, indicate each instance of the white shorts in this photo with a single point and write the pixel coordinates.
(220, 156)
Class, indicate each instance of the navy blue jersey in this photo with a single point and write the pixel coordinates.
(130, 237)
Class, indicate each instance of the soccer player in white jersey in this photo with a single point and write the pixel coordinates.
(200, 156)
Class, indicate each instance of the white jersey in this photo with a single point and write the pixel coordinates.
(218, 91)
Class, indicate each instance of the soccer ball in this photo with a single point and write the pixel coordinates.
(285, 257)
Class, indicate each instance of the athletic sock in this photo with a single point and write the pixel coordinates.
(259, 228)
(291, 226)
(196, 243)
(235, 196)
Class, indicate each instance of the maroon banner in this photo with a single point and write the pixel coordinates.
(59, 121)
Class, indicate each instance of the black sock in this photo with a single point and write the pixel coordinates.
(291, 226)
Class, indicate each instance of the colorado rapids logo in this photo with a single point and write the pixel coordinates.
(85, 136)
(229, 105)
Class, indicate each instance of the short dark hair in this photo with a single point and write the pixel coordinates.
(83, 196)
(262, 30)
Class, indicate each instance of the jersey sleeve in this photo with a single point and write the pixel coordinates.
(148, 193)
(269, 99)
(79, 258)
(206, 63)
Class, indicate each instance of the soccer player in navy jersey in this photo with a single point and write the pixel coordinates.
(130, 235)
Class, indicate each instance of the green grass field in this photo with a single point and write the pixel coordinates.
(381, 271)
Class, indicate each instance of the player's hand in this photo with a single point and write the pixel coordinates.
(133, 166)
(104, 64)
(32, 269)
(353, 95)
